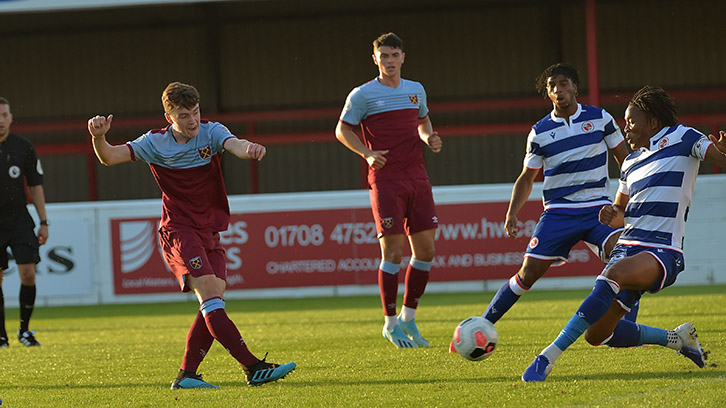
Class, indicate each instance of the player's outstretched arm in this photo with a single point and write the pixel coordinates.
(375, 158)
(716, 153)
(108, 155)
(429, 136)
(520, 194)
(244, 149)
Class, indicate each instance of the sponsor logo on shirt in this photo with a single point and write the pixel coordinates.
(14, 172)
(588, 127)
(205, 152)
(414, 99)
(196, 263)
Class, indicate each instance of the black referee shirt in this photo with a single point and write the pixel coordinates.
(18, 163)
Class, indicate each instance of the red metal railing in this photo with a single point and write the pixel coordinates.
(252, 119)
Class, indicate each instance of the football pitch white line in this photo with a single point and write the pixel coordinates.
(650, 392)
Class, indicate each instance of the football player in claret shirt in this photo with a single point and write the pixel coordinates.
(653, 199)
(185, 159)
(395, 125)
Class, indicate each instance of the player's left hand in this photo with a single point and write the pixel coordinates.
(42, 234)
(434, 142)
(720, 142)
(256, 151)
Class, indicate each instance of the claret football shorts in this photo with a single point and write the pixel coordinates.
(403, 206)
(193, 253)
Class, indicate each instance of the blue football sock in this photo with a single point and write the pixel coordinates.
(653, 335)
(633, 313)
(591, 310)
(504, 299)
(626, 334)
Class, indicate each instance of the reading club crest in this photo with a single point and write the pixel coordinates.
(196, 263)
(414, 99)
(205, 152)
(663, 143)
(533, 242)
(588, 127)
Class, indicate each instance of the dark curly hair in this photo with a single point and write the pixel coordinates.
(656, 103)
(553, 70)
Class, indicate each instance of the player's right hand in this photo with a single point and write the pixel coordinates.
(607, 214)
(99, 125)
(510, 226)
(377, 159)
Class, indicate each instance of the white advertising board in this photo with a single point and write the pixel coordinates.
(65, 272)
(320, 244)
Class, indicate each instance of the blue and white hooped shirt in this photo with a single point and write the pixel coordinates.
(574, 157)
(659, 181)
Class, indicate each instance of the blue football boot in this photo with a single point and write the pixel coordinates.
(412, 331)
(398, 338)
(263, 372)
(538, 370)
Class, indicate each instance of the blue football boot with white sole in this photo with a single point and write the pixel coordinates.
(398, 338)
(412, 332)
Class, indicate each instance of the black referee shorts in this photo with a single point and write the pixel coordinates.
(18, 234)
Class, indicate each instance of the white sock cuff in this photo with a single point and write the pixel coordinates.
(613, 285)
(389, 267)
(516, 285)
(420, 265)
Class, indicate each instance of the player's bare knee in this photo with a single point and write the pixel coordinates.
(529, 275)
(424, 256)
(615, 272)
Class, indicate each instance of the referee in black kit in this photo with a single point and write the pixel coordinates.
(19, 165)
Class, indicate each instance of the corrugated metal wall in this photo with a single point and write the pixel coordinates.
(251, 56)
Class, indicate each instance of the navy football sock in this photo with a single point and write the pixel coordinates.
(504, 299)
(626, 334)
(595, 305)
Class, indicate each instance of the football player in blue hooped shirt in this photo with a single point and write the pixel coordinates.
(185, 160)
(571, 147)
(656, 186)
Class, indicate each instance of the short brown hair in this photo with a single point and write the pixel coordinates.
(388, 40)
(179, 95)
(4, 101)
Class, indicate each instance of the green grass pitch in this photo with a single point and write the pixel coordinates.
(127, 356)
